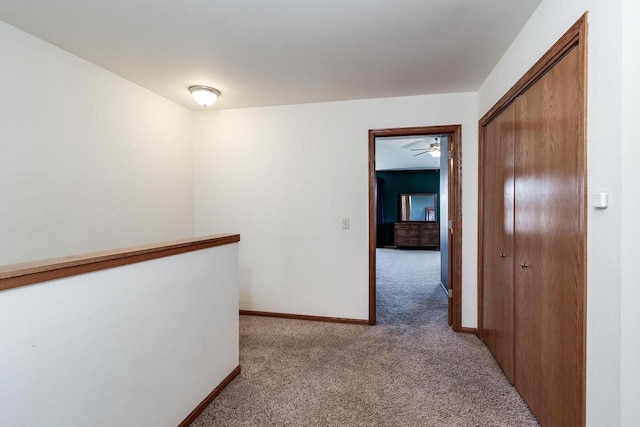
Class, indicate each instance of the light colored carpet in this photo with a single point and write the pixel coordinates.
(409, 370)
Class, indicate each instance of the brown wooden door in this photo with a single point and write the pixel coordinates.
(550, 246)
(498, 181)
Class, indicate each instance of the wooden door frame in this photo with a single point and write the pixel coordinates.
(455, 214)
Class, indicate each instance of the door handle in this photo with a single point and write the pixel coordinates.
(524, 265)
(502, 255)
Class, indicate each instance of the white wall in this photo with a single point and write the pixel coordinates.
(285, 176)
(630, 197)
(548, 23)
(137, 345)
(88, 160)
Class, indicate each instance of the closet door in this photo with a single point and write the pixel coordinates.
(497, 241)
(549, 246)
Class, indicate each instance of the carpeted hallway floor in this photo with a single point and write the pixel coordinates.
(409, 370)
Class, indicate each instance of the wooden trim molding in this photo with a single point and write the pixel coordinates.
(16, 275)
(303, 317)
(372, 226)
(455, 214)
(455, 234)
(207, 400)
(473, 331)
(575, 36)
(480, 260)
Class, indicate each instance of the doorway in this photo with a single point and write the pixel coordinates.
(452, 222)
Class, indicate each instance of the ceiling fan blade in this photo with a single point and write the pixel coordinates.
(419, 154)
(419, 149)
(412, 142)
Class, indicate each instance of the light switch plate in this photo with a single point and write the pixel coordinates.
(345, 223)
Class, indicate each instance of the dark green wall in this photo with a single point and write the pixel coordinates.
(403, 182)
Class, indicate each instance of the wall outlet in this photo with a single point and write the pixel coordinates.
(345, 223)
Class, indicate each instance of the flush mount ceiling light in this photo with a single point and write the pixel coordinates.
(204, 95)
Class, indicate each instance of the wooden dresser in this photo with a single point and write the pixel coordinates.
(417, 234)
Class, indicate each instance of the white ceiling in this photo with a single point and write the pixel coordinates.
(259, 52)
(400, 153)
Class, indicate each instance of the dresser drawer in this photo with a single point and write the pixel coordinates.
(426, 234)
(429, 241)
(402, 232)
(407, 241)
(409, 226)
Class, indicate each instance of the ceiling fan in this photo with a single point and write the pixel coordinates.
(433, 149)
